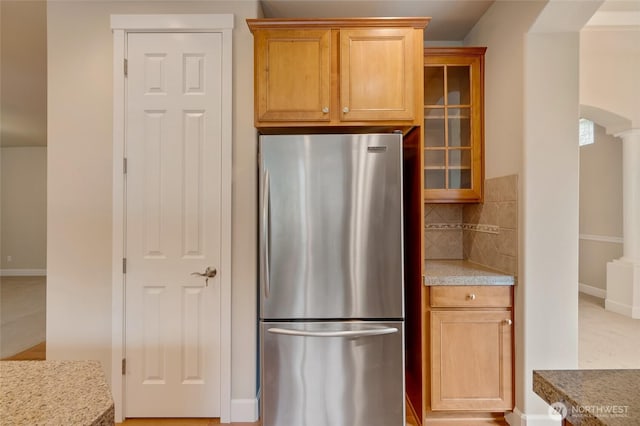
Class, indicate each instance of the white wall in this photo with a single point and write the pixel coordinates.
(600, 207)
(531, 87)
(23, 178)
(550, 188)
(23, 137)
(23, 61)
(609, 69)
(502, 30)
(80, 167)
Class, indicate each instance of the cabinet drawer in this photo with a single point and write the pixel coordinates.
(471, 296)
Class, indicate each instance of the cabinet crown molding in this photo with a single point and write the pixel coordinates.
(275, 23)
(454, 50)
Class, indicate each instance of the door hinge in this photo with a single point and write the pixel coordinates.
(124, 165)
(124, 366)
(126, 67)
(124, 265)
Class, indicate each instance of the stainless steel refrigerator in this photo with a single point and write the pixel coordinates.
(331, 280)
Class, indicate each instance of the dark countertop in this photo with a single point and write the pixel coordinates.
(592, 397)
(54, 393)
(462, 272)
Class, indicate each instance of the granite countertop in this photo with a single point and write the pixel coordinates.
(592, 397)
(70, 393)
(462, 272)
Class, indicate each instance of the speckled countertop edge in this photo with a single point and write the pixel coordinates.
(462, 272)
(55, 393)
(586, 391)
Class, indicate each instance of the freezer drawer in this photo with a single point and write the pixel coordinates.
(332, 373)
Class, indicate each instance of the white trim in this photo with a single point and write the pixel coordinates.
(629, 132)
(518, 418)
(23, 272)
(226, 176)
(592, 291)
(121, 25)
(602, 238)
(515, 418)
(622, 309)
(244, 410)
(117, 231)
(627, 19)
(132, 23)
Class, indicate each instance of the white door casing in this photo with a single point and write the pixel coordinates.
(172, 216)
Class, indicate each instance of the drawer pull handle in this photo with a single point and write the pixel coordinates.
(471, 296)
(508, 322)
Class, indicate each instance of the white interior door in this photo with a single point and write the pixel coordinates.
(173, 228)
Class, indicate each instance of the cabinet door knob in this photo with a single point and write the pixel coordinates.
(345, 110)
(325, 110)
(471, 296)
(508, 322)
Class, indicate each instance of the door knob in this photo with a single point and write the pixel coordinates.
(208, 273)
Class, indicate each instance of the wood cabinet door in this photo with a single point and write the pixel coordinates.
(293, 74)
(376, 74)
(471, 360)
(454, 124)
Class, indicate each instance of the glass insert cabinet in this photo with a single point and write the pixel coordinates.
(453, 124)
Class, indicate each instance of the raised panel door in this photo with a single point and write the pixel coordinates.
(376, 74)
(173, 225)
(471, 362)
(293, 74)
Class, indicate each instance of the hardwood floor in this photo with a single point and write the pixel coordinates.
(606, 339)
(411, 421)
(35, 353)
(179, 422)
(22, 313)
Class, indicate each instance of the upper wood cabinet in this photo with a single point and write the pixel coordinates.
(292, 75)
(454, 124)
(338, 72)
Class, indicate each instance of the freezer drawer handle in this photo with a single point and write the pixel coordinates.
(349, 333)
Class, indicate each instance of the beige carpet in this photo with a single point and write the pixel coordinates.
(22, 314)
(606, 339)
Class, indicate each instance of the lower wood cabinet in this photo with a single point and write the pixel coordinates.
(460, 358)
(471, 362)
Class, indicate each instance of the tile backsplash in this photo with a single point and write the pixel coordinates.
(443, 231)
(486, 233)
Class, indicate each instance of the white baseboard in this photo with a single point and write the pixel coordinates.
(244, 410)
(622, 309)
(22, 272)
(592, 291)
(518, 418)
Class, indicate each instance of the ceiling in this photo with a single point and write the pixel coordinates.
(24, 91)
(451, 19)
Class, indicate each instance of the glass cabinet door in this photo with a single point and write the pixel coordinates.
(452, 125)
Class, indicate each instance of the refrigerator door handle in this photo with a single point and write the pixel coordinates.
(347, 334)
(265, 233)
